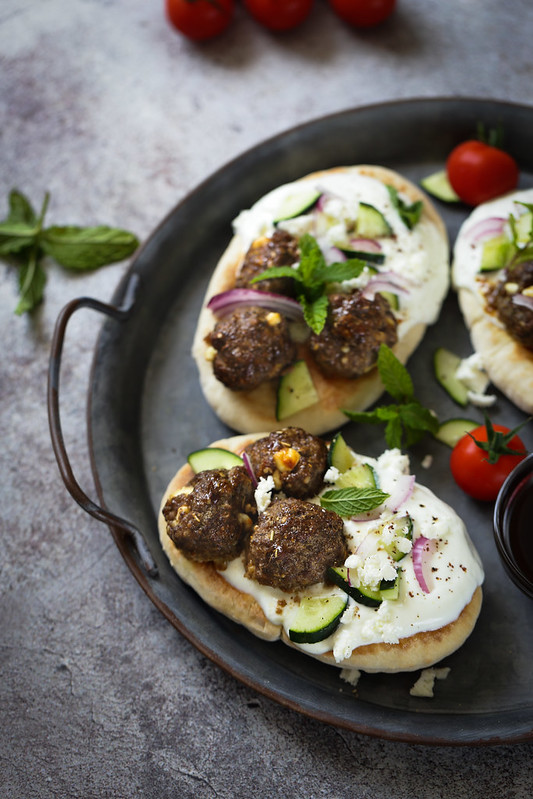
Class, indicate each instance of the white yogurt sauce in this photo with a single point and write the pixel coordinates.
(420, 256)
(453, 571)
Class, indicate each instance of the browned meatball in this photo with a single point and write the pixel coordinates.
(211, 522)
(293, 544)
(252, 345)
(355, 328)
(279, 250)
(517, 319)
(296, 460)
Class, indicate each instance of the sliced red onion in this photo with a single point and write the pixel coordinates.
(395, 279)
(419, 551)
(365, 245)
(368, 515)
(375, 285)
(249, 469)
(486, 229)
(228, 301)
(401, 492)
(381, 283)
(322, 200)
(525, 302)
(333, 255)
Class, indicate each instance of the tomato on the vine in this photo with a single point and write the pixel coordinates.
(479, 172)
(363, 13)
(279, 15)
(483, 458)
(200, 19)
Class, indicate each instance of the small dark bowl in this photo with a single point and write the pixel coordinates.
(514, 507)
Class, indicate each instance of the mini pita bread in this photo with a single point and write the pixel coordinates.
(508, 363)
(410, 654)
(255, 410)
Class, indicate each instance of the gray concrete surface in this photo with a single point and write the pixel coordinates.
(109, 109)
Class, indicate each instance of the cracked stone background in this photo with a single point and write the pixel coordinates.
(109, 109)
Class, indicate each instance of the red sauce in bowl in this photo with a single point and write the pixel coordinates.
(513, 525)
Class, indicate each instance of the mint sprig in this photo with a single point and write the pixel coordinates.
(521, 252)
(407, 420)
(349, 501)
(409, 214)
(25, 241)
(311, 277)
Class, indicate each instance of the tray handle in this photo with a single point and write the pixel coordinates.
(120, 313)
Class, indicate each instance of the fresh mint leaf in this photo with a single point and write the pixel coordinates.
(407, 420)
(312, 275)
(20, 209)
(349, 501)
(394, 433)
(341, 271)
(15, 236)
(312, 262)
(32, 279)
(24, 239)
(277, 271)
(315, 312)
(394, 375)
(87, 248)
(417, 417)
(410, 214)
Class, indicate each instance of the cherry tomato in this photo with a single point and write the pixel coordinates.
(363, 13)
(470, 465)
(479, 172)
(200, 19)
(279, 15)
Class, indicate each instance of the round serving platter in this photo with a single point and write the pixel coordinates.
(146, 413)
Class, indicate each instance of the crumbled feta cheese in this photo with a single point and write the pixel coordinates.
(427, 461)
(403, 544)
(426, 682)
(298, 225)
(351, 676)
(263, 493)
(481, 400)
(353, 561)
(381, 625)
(332, 475)
(394, 461)
(376, 568)
(471, 372)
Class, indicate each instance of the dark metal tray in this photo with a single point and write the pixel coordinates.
(146, 412)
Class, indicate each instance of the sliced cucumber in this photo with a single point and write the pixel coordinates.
(524, 227)
(438, 185)
(445, 364)
(403, 528)
(213, 458)
(340, 455)
(296, 391)
(317, 618)
(451, 431)
(392, 299)
(297, 204)
(362, 475)
(496, 253)
(371, 224)
(388, 589)
(369, 257)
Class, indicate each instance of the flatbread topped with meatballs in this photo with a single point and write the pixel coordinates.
(492, 272)
(319, 273)
(342, 556)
